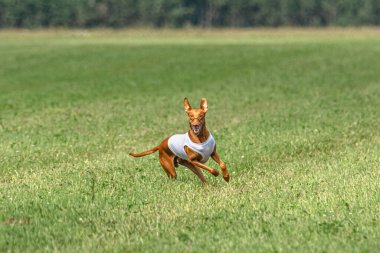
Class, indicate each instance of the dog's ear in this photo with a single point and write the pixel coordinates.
(203, 105)
(187, 105)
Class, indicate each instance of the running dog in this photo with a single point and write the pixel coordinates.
(191, 149)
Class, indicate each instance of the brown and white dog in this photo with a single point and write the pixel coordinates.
(191, 149)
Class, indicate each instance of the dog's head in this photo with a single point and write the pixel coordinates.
(196, 116)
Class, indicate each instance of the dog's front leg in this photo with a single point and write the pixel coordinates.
(201, 165)
(222, 165)
(194, 158)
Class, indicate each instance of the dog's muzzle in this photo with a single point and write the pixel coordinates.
(196, 128)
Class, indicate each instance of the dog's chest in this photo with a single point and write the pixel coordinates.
(178, 142)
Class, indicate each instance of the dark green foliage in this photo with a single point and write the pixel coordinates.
(180, 13)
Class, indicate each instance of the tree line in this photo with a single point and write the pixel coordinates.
(183, 13)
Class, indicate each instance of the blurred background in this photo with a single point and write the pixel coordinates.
(187, 13)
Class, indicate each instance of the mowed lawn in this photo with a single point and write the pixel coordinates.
(295, 113)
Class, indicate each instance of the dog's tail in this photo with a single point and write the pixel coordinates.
(148, 152)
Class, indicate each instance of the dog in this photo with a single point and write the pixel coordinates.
(191, 149)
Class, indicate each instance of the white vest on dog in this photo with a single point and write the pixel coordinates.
(178, 142)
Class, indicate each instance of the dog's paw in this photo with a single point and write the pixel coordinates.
(215, 173)
(226, 177)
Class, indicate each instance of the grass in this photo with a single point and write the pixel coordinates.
(295, 114)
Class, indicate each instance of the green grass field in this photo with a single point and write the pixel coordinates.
(295, 113)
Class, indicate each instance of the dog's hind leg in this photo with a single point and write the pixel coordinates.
(167, 163)
(193, 168)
